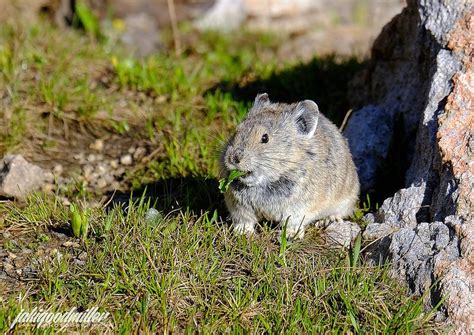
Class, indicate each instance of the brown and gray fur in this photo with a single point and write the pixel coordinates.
(303, 174)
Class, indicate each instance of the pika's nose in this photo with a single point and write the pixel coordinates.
(236, 157)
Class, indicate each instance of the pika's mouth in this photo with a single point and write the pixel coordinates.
(248, 178)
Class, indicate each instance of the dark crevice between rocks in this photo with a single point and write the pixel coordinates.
(443, 204)
(426, 211)
(436, 295)
(391, 175)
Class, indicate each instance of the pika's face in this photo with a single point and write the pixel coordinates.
(267, 143)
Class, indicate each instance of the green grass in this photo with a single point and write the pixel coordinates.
(188, 272)
(184, 271)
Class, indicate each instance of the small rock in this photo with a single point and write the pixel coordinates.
(91, 158)
(47, 188)
(126, 160)
(59, 235)
(131, 150)
(72, 244)
(341, 234)
(114, 163)
(160, 99)
(18, 177)
(79, 262)
(101, 168)
(58, 170)
(83, 256)
(66, 202)
(139, 153)
(120, 171)
(49, 177)
(81, 157)
(101, 183)
(87, 171)
(97, 145)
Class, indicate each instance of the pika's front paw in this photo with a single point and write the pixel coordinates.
(323, 223)
(244, 228)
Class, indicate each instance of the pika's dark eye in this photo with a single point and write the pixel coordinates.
(264, 138)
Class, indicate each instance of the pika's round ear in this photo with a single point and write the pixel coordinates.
(261, 100)
(306, 116)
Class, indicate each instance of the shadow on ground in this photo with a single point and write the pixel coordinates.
(196, 194)
(323, 79)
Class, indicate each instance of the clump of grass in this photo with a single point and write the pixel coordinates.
(79, 221)
(188, 272)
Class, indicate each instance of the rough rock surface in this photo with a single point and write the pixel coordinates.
(18, 177)
(341, 234)
(377, 126)
(421, 76)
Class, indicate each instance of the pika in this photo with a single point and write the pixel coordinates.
(297, 168)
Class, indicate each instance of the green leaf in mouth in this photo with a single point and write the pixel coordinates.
(224, 183)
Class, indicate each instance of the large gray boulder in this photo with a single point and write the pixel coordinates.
(420, 77)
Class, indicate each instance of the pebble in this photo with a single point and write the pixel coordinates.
(101, 168)
(83, 256)
(58, 170)
(73, 244)
(126, 160)
(118, 172)
(87, 170)
(47, 188)
(101, 183)
(114, 163)
(139, 153)
(160, 99)
(49, 177)
(91, 158)
(80, 157)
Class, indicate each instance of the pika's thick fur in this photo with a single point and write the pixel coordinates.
(298, 168)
